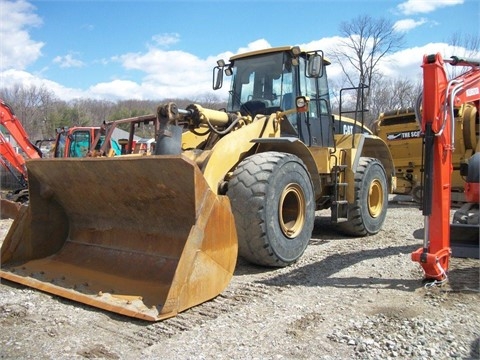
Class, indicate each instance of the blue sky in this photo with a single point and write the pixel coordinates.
(156, 49)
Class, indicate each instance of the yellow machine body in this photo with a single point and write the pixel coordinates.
(401, 132)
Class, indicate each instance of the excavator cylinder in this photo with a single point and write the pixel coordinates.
(141, 236)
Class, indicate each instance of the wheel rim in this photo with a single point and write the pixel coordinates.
(375, 198)
(291, 210)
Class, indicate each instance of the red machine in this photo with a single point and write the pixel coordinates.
(9, 157)
(15, 128)
(11, 161)
(440, 97)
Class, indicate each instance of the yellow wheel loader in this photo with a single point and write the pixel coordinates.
(149, 236)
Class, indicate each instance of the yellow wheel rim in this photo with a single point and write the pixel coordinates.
(375, 198)
(291, 210)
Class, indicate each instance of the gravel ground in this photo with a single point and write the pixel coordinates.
(346, 298)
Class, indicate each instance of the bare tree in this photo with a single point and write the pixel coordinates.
(210, 100)
(468, 46)
(366, 42)
(30, 105)
(392, 94)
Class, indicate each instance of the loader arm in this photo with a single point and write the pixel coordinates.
(440, 96)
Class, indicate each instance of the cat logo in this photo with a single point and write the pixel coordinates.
(347, 129)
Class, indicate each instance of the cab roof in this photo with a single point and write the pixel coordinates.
(270, 50)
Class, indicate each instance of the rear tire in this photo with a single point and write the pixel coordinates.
(367, 214)
(273, 204)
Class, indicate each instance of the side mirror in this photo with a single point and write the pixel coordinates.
(217, 77)
(315, 65)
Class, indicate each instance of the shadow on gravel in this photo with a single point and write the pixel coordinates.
(322, 273)
(464, 275)
(475, 349)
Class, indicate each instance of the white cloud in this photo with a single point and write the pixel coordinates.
(12, 77)
(117, 89)
(406, 25)
(407, 63)
(173, 73)
(411, 7)
(68, 61)
(171, 70)
(166, 39)
(255, 45)
(18, 50)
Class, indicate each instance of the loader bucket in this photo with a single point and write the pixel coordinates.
(9, 209)
(140, 236)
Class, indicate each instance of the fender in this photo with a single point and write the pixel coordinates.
(365, 145)
(375, 147)
(230, 150)
(295, 146)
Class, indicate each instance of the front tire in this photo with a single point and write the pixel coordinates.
(367, 213)
(273, 204)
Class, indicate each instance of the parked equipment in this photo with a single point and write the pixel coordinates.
(69, 142)
(464, 230)
(10, 159)
(77, 141)
(440, 98)
(149, 236)
(401, 131)
(11, 123)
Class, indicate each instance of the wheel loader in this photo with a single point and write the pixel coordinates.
(149, 236)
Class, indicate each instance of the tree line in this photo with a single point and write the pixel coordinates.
(41, 112)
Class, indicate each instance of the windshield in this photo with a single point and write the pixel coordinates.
(79, 143)
(264, 79)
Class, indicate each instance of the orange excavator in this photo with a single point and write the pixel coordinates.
(11, 123)
(9, 158)
(11, 161)
(440, 97)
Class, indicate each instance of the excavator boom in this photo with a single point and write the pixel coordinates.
(16, 130)
(440, 96)
(11, 160)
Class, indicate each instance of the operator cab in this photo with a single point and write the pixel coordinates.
(264, 82)
(73, 143)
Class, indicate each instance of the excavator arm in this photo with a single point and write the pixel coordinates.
(9, 159)
(10, 122)
(440, 97)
